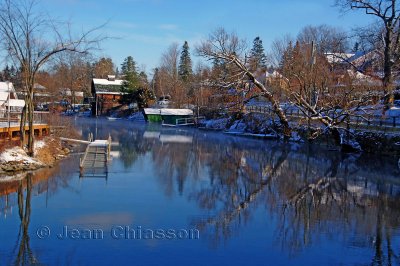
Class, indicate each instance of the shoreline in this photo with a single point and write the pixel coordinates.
(14, 161)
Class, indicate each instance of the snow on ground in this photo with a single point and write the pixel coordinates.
(238, 126)
(16, 154)
(216, 123)
(39, 144)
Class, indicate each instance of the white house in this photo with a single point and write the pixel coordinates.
(9, 99)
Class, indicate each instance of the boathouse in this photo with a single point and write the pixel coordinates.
(107, 93)
(167, 115)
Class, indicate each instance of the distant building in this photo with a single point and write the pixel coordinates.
(107, 93)
(339, 58)
(40, 94)
(9, 99)
(73, 97)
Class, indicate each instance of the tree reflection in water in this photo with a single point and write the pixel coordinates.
(45, 181)
(25, 255)
(312, 193)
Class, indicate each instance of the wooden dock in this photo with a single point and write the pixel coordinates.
(95, 161)
(13, 132)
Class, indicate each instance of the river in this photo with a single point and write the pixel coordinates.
(190, 197)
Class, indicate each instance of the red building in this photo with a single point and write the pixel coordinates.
(107, 93)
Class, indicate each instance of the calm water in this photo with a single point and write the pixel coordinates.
(187, 197)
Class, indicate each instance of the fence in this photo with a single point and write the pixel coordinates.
(14, 118)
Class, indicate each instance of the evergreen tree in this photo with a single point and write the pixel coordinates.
(143, 78)
(6, 74)
(131, 81)
(117, 72)
(9, 74)
(356, 47)
(185, 64)
(129, 66)
(135, 85)
(257, 55)
(287, 56)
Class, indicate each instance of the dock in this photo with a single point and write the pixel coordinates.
(95, 160)
(12, 132)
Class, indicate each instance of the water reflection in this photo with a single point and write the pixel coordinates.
(313, 193)
(305, 196)
(25, 255)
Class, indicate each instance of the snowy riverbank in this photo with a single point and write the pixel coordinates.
(257, 126)
(15, 159)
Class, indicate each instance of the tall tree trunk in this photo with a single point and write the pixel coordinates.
(22, 125)
(388, 65)
(31, 129)
(276, 108)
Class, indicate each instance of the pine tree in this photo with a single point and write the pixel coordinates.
(356, 47)
(185, 64)
(131, 82)
(117, 72)
(129, 66)
(257, 55)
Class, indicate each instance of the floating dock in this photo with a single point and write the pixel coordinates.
(95, 161)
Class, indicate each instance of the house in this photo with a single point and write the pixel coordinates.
(339, 58)
(40, 95)
(74, 97)
(8, 99)
(107, 93)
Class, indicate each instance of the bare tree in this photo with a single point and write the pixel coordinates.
(168, 71)
(103, 67)
(31, 39)
(323, 91)
(278, 48)
(327, 39)
(231, 50)
(72, 75)
(388, 14)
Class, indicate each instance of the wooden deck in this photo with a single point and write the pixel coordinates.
(13, 132)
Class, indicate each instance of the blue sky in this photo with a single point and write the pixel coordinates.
(145, 28)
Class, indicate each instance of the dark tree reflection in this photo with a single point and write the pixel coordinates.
(312, 192)
(25, 255)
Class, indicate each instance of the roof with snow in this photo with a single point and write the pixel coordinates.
(6, 90)
(362, 79)
(167, 111)
(6, 87)
(339, 57)
(3, 97)
(15, 103)
(104, 86)
(37, 86)
(68, 92)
